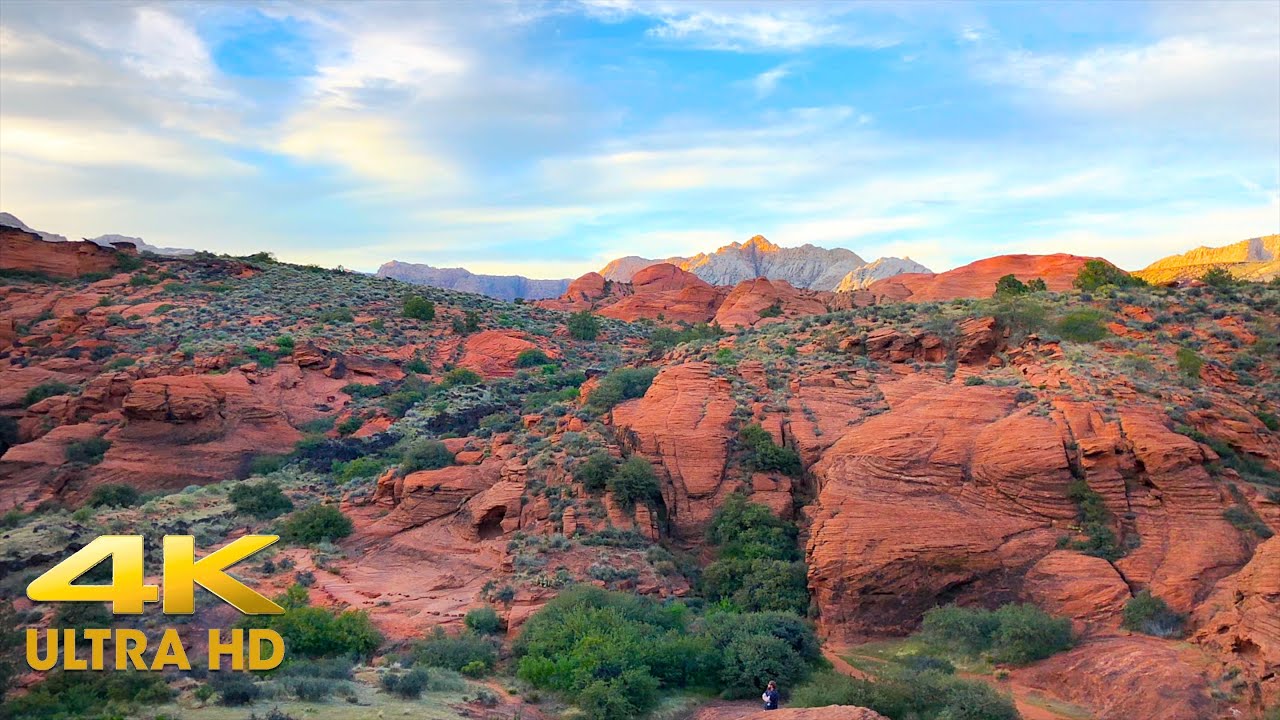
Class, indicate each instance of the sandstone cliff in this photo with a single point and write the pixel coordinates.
(1254, 259)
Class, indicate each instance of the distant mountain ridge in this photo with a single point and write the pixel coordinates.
(502, 287)
(103, 240)
(808, 266)
(1253, 259)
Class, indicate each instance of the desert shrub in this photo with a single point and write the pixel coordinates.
(751, 661)
(1219, 278)
(360, 467)
(313, 632)
(102, 695)
(44, 390)
(309, 689)
(351, 424)
(1097, 273)
(665, 337)
(262, 500)
(364, 390)
(454, 652)
(928, 695)
(285, 344)
(1082, 326)
(426, 455)
(596, 471)
(1189, 362)
(336, 315)
(634, 482)
(774, 310)
(419, 308)
(764, 455)
(1146, 613)
(620, 384)
(1242, 518)
(1095, 522)
(1010, 285)
(1019, 315)
(1015, 634)
(532, 357)
(89, 451)
(267, 464)
(583, 325)
(460, 376)
(317, 523)
(235, 689)
(758, 567)
(407, 685)
(114, 495)
(483, 621)
(333, 668)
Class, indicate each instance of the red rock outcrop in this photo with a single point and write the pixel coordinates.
(974, 485)
(977, 279)
(830, 712)
(683, 423)
(1082, 587)
(493, 353)
(1241, 621)
(665, 292)
(749, 299)
(26, 251)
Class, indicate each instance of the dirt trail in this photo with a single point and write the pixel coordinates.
(726, 710)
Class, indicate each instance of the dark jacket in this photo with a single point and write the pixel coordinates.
(770, 699)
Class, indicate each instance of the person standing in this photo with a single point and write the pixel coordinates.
(770, 696)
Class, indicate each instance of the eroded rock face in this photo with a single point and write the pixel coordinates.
(22, 250)
(974, 486)
(830, 712)
(683, 423)
(493, 353)
(1084, 588)
(751, 303)
(665, 292)
(1241, 620)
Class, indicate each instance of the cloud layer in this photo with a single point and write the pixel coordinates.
(547, 137)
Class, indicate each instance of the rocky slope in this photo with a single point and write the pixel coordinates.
(977, 279)
(808, 266)
(878, 269)
(1254, 259)
(959, 454)
(502, 287)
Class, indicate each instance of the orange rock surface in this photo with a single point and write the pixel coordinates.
(978, 279)
(22, 250)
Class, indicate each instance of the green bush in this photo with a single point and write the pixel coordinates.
(1095, 522)
(747, 530)
(44, 390)
(313, 632)
(774, 310)
(1010, 285)
(426, 455)
(98, 694)
(483, 621)
(634, 482)
(317, 523)
(419, 308)
(460, 376)
(584, 325)
(235, 689)
(336, 315)
(1146, 613)
(114, 495)
(267, 464)
(1014, 634)
(407, 685)
(1097, 273)
(901, 694)
(596, 471)
(1083, 326)
(89, 451)
(764, 455)
(1219, 278)
(619, 385)
(454, 652)
(360, 467)
(1189, 362)
(531, 358)
(262, 500)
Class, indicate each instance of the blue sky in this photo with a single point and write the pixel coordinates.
(545, 138)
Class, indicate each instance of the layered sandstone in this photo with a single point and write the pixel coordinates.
(26, 251)
(978, 279)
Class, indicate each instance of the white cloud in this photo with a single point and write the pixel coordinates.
(766, 82)
(83, 145)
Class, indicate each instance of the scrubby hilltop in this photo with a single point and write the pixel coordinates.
(1254, 259)
(1099, 465)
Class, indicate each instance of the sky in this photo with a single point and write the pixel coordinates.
(546, 138)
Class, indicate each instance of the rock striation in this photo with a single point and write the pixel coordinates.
(1253, 259)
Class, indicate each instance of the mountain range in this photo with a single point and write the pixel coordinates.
(1253, 259)
(502, 287)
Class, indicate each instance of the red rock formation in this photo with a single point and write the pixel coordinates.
(748, 299)
(22, 250)
(683, 423)
(830, 712)
(1241, 621)
(493, 353)
(665, 292)
(978, 279)
(1084, 588)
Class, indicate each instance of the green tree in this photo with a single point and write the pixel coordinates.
(634, 482)
(263, 500)
(317, 523)
(1010, 285)
(426, 455)
(619, 385)
(584, 325)
(1097, 273)
(419, 308)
